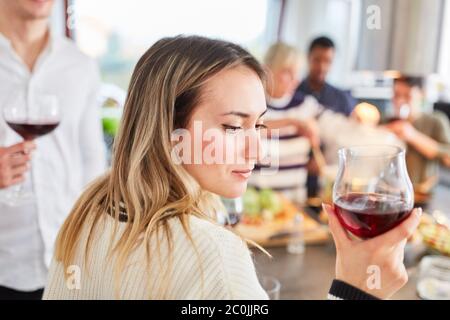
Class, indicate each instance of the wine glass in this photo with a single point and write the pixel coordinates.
(372, 192)
(31, 116)
(234, 208)
(272, 287)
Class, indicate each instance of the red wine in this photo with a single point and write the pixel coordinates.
(367, 215)
(31, 130)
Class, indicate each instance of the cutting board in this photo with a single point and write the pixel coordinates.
(281, 230)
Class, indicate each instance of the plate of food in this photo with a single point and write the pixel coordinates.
(435, 235)
(270, 219)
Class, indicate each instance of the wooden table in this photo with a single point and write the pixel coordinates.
(309, 276)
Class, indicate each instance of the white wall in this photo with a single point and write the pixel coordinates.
(57, 20)
(337, 19)
(444, 54)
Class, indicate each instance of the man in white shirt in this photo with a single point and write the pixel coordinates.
(32, 59)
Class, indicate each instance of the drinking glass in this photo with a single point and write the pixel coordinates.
(31, 116)
(234, 208)
(272, 287)
(372, 192)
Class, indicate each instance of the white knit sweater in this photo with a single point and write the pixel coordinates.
(222, 258)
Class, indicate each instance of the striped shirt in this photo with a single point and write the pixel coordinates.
(293, 150)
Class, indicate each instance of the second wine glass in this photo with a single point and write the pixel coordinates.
(30, 117)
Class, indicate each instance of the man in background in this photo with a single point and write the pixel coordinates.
(426, 134)
(320, 58)
(33, 60)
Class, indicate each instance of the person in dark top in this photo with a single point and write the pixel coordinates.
(320, 57)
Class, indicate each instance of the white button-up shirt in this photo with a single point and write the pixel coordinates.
(64, 161)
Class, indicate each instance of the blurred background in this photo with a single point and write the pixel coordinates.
(376, 41)
(413, 36)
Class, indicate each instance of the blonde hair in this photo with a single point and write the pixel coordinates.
(165, 87)
(281, 55)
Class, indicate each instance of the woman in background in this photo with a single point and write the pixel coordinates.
(146, 229)
(293, 115)
(302, 124)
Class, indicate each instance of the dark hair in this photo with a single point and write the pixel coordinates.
(321, 42)
(410, 81)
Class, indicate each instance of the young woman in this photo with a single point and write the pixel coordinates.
(146, 229)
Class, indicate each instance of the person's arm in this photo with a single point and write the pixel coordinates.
(424, 144)
(92, 143)
(439, 147)
(235, 266)
(442, 135)
(308, 128)
(374, 266)
(281, 124)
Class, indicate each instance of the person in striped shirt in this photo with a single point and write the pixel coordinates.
(293, 115)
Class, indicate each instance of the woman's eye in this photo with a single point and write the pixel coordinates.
(260, 126)
(231, 128)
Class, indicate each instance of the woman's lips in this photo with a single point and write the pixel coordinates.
(244, 174)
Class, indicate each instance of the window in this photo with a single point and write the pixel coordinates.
(117, 32)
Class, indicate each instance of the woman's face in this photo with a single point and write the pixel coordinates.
(226, 130)
(286, 80)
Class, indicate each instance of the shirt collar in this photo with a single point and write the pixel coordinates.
(4, 41)
(52, 44)
(305, 87)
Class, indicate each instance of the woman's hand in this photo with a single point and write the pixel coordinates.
(375, 265)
